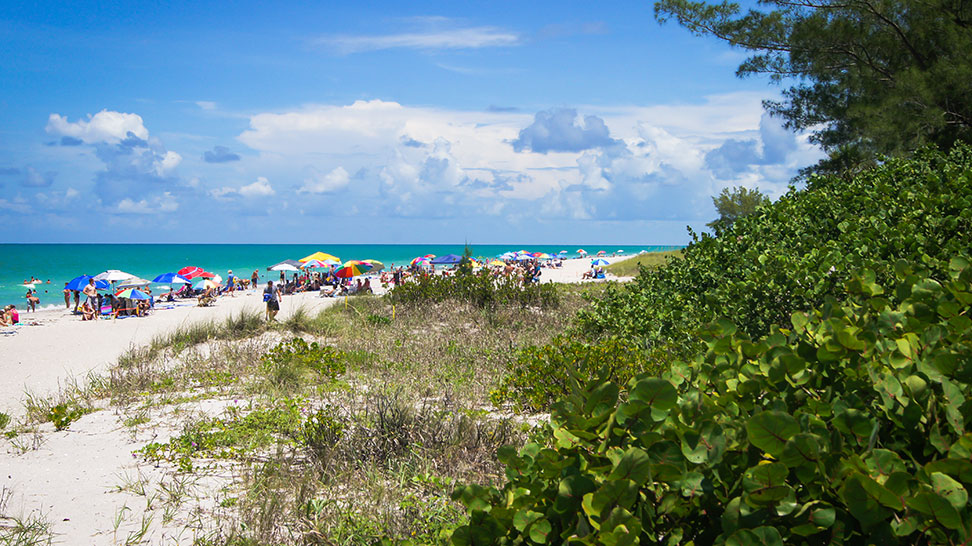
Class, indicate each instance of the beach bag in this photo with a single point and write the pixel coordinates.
(266, 296)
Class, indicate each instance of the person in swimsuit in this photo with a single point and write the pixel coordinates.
(92, 293)
(32, 300)
(67, 297)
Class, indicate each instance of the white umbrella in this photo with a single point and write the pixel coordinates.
(283, 267)
(113, 275)
(133, 283)
(620, 251)
(218, 280)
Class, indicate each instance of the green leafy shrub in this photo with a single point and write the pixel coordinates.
(795, 253)
(286, 363)
(849, 428)
(481, 289)
(4, 420)
(539, 376)
(378, 320)
(62, 415)
(321, 431)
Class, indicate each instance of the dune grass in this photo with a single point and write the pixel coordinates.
(650, 260)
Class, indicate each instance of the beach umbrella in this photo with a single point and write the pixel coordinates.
(507, 256)
(315, 263)
(205, 283)
(601, 253)
(352, 268)
(429, 256)
(581, 251)
(113, 275)
(523, 257)
(189, 270)
(133, 282)
(78, 283)
(600, 261)
(562, 252)
(320, 256)
(620, 251)
(497, 262)
(375, 265)
(133, 294)
(171, 278)
(217, 279)
(421, 260)
(447, 259)
(206, 275)
(543, 256)
(286, 265)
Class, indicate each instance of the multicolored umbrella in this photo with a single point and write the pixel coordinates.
(542, 256)
(600, 261)
(133, 294)
(321, 256)
(421, 260)
(581, 251)
(601, 253)
(497, 262)
(314, 263)
(352, 268)
(375, 264)
(205, 284)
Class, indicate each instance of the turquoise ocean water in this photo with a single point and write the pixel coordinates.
(63, 262)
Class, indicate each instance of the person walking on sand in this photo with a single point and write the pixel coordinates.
(67, 297)
(272, 296)
(255, 279)
(231, 283)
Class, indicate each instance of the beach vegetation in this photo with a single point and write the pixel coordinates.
(732, 204)
(848, 425)
(630, 267)
(4, 420)
(541, 375)
(794, 254)
(481, 289)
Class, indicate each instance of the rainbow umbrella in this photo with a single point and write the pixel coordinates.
(377, 265)
(314, 263)
(202, 285)
(421, 260)
(133, 294)
(542, 256)
(352, 268)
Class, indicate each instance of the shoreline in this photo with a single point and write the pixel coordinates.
(52, 347)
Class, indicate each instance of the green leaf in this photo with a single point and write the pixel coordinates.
(950, 490)
(657, 393)
(801, 450)
(760, 536)
(540, 531)
(635, 465)
(770, 430)
(936, 507)
(523, 518)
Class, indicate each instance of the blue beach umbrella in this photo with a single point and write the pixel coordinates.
(600, 261)
(79, 282)
(171, 278)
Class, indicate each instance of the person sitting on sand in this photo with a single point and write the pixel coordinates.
(10, 315)
(87, 311)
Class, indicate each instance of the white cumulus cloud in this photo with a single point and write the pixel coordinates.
(105, 126)
(319, 182)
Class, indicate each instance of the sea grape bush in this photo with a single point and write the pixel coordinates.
(848, 427)
(481, 289)
(539, 376)
(286, 362)
(796, 252)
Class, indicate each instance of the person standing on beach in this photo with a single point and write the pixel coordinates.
(231, 283)
(255, 279)
(67, 297)
(32, 300)
(91, 292)
(272, 296)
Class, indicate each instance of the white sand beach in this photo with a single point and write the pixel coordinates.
(72, 477)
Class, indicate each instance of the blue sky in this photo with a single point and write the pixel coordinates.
(400, 122)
